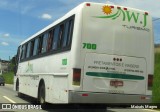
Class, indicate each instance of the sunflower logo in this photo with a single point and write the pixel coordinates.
(107, 9)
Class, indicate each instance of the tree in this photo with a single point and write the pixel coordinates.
(12, 63)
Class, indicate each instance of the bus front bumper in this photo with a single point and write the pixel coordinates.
(91, 97)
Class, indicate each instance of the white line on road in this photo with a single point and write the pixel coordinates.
(151, 110)
(9, 99)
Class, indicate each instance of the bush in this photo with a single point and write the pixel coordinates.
(8, 77)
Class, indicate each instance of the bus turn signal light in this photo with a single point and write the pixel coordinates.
(88, 4)
(84, 94)
(76, 76)
(150, 81)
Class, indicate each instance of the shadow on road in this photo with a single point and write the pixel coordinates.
(65, 107)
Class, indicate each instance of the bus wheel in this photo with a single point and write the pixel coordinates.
(41, 95)
(17, 85)
(17, 89)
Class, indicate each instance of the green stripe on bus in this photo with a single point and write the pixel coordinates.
(115, 75)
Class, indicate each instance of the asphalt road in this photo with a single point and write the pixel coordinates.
(9, 97)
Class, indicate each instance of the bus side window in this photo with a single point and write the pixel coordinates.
(35, 49)
(50, 39)
(55, 38)
(40, 44)
(23, 52)
(44, 44)
(70, 32)
(60, 36)
(66, 32)
(32, 47)
(18, 54)
(17, 60)
(28, 50)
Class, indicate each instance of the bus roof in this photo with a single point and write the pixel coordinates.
(71, 12)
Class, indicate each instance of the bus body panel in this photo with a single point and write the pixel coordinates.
(112, 49)
(106, 98)
(125, 40)
(57, 77)
(52, 72)
(101, 71)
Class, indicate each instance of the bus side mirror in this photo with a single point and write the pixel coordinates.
(15, 66)
(15, 70)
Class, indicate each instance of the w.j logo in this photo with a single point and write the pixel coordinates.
(126, 15)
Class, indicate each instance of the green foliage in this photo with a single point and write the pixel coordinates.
(12, 64)
(156, 81)
(8, 77)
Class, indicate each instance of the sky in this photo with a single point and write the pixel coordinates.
(19, 19)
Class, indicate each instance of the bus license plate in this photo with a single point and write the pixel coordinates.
(116, 83)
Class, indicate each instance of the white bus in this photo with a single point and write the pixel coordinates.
(95, 54)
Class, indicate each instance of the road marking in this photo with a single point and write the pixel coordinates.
(151, 110)
(9, 99)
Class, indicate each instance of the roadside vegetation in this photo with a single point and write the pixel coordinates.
(8, 77)
(156, 81)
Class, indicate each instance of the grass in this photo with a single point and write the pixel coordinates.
(8, 77)
(157, 50)
(156, 81)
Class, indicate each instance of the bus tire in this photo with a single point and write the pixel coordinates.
(17, 85)
(41, 95)
(17, 89)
